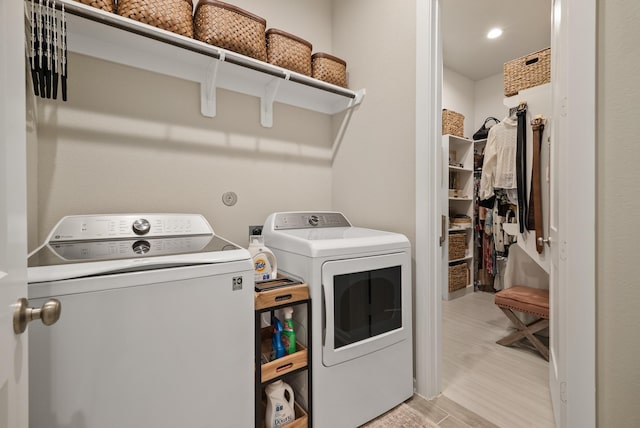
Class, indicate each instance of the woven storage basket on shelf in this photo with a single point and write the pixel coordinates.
(457, 245)
(288, 51)
(106, 5)
(329, 68)
(458, 276)
(527, 71)
(229, 27)
(460, 222)
(452, 123)
(171, 15)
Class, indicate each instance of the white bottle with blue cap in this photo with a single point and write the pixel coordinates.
(264, 261)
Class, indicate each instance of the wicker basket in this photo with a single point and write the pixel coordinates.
(457, 246)
(106, 5)
(171, 15)
(458, 276)
(288, 51)
(452, 123)
(460, 222)
(329, 68)
(229, 27)
(527, 71)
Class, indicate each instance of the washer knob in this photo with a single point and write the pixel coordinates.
(141, 247)
(141, 226)
(314, 220)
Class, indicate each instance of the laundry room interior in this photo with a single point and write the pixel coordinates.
(133, 138)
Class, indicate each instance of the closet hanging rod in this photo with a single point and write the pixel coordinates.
(135, 27)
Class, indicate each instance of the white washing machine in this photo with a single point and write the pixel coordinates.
(360, 285)
(156, 328)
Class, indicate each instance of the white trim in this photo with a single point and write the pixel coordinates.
(581, 223)
(428, 254)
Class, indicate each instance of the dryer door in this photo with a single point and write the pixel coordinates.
(367, 304)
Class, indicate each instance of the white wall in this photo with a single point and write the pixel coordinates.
(374, 171)
(134, 141)
(458, 94)
(489, 100)
(618, 211)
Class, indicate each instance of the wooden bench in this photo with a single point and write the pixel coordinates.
(532, 301)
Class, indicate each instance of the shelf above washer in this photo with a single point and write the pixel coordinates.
(108, 36)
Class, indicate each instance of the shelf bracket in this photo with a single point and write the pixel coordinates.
(266, 101)
(345, 122)
(208, 88)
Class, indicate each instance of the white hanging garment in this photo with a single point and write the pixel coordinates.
(499, 165)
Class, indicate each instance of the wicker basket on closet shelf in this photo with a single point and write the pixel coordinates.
(329, 68)
(171, 15)
(527, 71)
(288, 51)
(106, 5)
(458, 276)
(452, 123)
(457, 245)
(229, 27)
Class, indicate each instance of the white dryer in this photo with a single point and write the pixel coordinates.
(156, 329)
(360, 285)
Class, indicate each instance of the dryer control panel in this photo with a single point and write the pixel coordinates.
(309, 220)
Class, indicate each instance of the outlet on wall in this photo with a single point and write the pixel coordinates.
(255, 230)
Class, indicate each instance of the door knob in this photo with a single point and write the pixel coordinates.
(542, 241)
(49, 313)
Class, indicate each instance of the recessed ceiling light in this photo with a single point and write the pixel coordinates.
(494, 33)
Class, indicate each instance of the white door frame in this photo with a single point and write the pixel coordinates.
(428, 252)
(580, 321)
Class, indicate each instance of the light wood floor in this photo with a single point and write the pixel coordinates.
(508, 386)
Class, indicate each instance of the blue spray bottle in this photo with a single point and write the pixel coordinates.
(276, 339)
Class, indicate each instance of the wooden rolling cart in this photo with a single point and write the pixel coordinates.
(287, 293)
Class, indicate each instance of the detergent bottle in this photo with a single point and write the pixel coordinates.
(280, 409)
(288, 334)
(276, 339)
(264, 262)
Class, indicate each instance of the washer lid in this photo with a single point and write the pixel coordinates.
(167, 242)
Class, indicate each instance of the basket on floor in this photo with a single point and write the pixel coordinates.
(452, 123)
(458, 276)
(527, 71)
(457, 245)
(329, 68)
(171, 15)
(229, 27)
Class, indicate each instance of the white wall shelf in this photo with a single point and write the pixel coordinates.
(108, 36)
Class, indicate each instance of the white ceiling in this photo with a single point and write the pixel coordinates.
(465, 23)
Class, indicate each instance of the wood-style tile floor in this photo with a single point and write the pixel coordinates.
(506, 386)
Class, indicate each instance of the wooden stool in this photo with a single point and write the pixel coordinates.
(527, 300)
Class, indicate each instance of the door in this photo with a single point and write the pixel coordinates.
(13, 234)
(367, 305)
(572, 216)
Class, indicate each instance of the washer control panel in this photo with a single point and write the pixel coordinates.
(123, 226)
(309, 220)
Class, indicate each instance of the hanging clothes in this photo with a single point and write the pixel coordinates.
(499, 165)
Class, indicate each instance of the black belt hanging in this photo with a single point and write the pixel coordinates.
(535, 201)
(521, 165)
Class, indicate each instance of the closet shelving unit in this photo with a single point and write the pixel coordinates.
(96, 33)
(459, 184)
